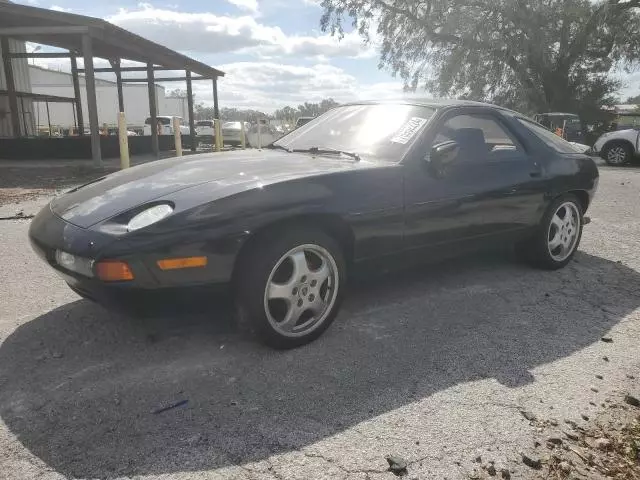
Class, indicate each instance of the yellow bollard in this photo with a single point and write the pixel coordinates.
(218, 133)
(123, 139)
(177, 135)
(243, 141)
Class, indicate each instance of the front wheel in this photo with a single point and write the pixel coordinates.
(290, 286)
(617, 154)
(556, 239)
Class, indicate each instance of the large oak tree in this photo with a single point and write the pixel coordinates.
(533, 55)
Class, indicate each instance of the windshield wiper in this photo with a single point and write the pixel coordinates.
(323, 150)
(279, 147)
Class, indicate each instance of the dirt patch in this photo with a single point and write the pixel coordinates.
(19, 184)
(607, 446)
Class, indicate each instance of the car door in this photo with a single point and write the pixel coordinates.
(488, 189)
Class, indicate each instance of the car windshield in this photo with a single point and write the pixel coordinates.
(380, 131)
(204, 123)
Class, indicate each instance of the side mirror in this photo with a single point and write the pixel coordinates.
(442, 155)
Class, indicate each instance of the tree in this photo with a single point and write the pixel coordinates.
(533, 55)
(633, 100)
(177, 93)
(306, 109)
(202, 112)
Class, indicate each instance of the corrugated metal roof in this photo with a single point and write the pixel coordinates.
(109, 41)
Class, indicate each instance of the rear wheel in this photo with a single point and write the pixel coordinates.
(290, 287)
(556, 239)
(617, 154)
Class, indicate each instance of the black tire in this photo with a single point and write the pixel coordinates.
(536, 250)
(617, 154)
(254, 271)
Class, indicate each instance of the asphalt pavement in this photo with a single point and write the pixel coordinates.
(435, 365)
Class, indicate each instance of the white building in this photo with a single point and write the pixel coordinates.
(136, 99)
(22, 84)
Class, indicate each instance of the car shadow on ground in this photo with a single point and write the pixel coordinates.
(84, 389)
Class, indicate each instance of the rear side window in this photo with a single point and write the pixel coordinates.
(551, 139)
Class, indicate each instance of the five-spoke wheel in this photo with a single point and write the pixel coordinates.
(291, 283)
(301, 290)
(556, 239)
(564, 231)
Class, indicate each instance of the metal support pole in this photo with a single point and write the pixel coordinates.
(123, 139)
(92, 105)
(48, 118)
(177, 135)
(76, 93)
(75, 120)
(116, 68)
(216, 110)
(24, 118)
(11, 86)
(192, 124)
(153, 113)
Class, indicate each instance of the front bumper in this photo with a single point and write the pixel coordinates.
(49, 233)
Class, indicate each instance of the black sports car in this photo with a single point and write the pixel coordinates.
(283, 225)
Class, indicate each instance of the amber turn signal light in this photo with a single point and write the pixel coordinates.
(113, 271)
(177, 263)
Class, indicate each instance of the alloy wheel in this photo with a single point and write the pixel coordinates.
(301, 290)
(617, 155)
(564, 231)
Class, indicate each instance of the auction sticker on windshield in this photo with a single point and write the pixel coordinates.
(409, 130)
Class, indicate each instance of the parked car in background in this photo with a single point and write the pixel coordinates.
(618, 147)
(231, 133)
(303, 121)
(365, 183)
(568, 124)
(165, 126)
(205, 129)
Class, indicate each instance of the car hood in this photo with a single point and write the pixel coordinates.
(105, 197)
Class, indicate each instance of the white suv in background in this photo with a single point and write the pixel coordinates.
(618, 147)
(166, 126)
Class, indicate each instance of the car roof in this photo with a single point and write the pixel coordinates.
(433, 103)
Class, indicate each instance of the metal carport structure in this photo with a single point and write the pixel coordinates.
(89, 37)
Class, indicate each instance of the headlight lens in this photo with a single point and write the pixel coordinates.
(149, 216)
(81, 265)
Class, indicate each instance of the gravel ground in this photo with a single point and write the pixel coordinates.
(435, 365)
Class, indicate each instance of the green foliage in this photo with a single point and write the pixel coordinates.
(532, 55)
(203, 112)
(633, 100)
(306, 109)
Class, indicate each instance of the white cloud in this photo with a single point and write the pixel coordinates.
(59, 9)
(268, 86)
(248, 5)
(212, 33)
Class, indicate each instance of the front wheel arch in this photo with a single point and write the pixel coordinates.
(332, 225)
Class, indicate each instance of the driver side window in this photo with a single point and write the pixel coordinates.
(479, 138)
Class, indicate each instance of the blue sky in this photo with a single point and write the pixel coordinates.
(273, 51)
